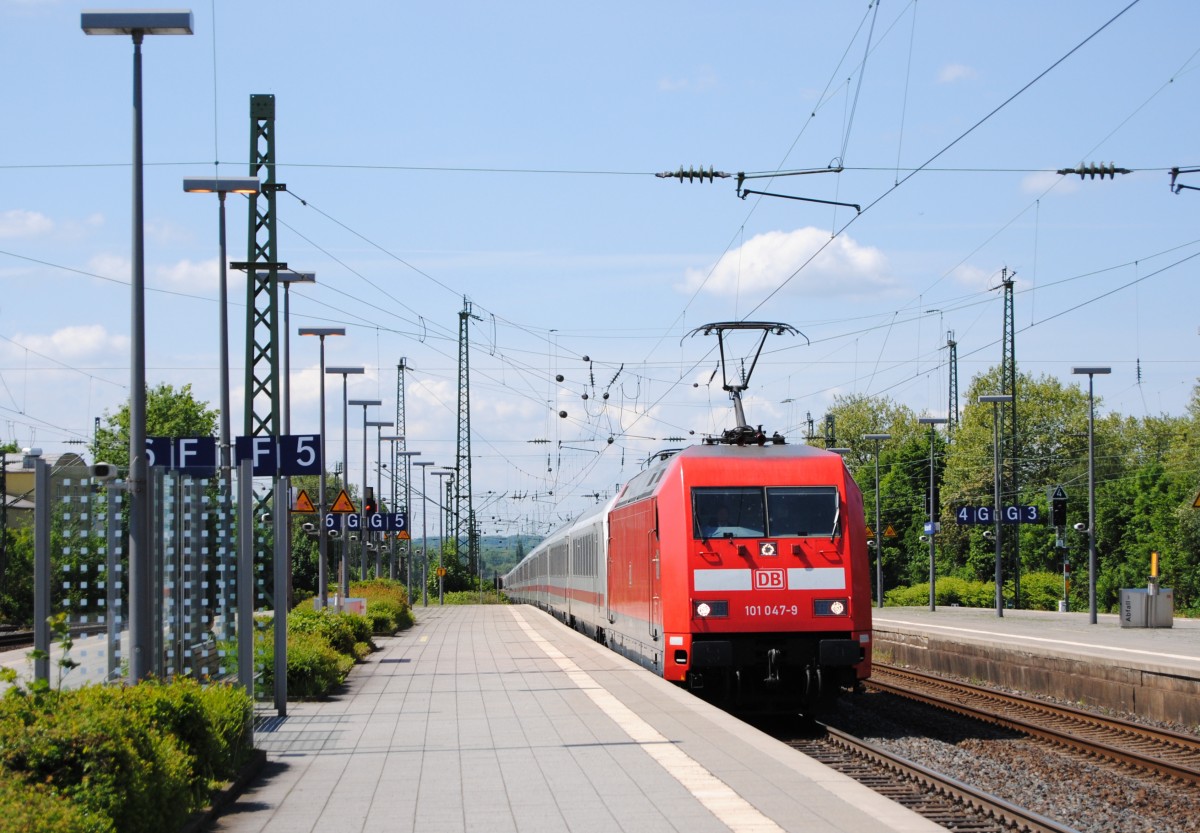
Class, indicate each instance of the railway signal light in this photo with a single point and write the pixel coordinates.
(370, 507)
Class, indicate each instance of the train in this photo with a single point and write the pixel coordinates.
(738, 570)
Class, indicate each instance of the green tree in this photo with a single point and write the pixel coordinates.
(169, 413)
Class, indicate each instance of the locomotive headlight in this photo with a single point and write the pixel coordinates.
(710, 609)
(831, 607)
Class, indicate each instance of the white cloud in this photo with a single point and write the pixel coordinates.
(972, 277)
(190, 276)
(952, 73)
(20, 223)
(1044, 181)
(842, 268)
(116, 267)
(91, 341)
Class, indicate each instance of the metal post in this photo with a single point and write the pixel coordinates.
(137, 25)
(998, 508)
(996, 401)
(878, 438)
(139, 513)
(41, 569)
(424, 464)
(282, 572)
(932, 422)
(1091, 529)
(245, 578)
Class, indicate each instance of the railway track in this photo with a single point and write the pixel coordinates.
(943, 800)
(1163, 753)
(12, 640)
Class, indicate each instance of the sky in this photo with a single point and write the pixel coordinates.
(501, 158)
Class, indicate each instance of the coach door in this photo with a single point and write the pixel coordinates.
(655, 574)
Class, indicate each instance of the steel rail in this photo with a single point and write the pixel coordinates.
(1032, 717)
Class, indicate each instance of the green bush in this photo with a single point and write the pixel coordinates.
(387, 604)
(211, 723)
(26, 808)
(950, 591)
(314, 667)
(107, 756)
(340, 630)
(474, 597)
(1039, 591)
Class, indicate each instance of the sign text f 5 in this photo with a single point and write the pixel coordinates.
(286, 455)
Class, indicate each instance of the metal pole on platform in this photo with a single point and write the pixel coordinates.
(1091, 527)
(932, 422)
(878, 438)
(997, 400)
(424, 464)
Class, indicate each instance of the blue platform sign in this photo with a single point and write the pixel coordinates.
(286, 455)
(196, 456)
(984, 515)
(375, 522)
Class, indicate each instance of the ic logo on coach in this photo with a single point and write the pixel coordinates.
(769, 579)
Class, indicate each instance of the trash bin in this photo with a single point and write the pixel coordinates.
(1152, 607)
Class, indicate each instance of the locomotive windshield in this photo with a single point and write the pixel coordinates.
(776, 512)
(728, 513)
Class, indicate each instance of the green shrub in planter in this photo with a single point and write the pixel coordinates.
(212, 723)
(107, 756)
(314, 668)
(336, 628)
(383, 617)
(25, 808)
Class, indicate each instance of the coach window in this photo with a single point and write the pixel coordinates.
(802, 511)
(728, 513)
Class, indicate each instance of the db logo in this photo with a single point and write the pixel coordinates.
(769, 579)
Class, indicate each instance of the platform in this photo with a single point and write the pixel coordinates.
(1154, 672)
(499, 718)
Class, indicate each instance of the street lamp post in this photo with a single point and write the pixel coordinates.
(379, 426)
(878, 438)
(1091, 372)
(362, 529)
(997, 400)
(424, 464)
(345, 373)
(932, 422)
(222, 185)
(406, 458)
(322, 497)
(442, 536)
(287, 277)
(138, 24)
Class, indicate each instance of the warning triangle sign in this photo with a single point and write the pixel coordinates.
(343, 504)
(889, 532)
(403, 535)
(870, 534)
(303, 503)
(1196, 502)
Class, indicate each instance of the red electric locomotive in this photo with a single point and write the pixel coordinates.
(737, 568)
(739, 571)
